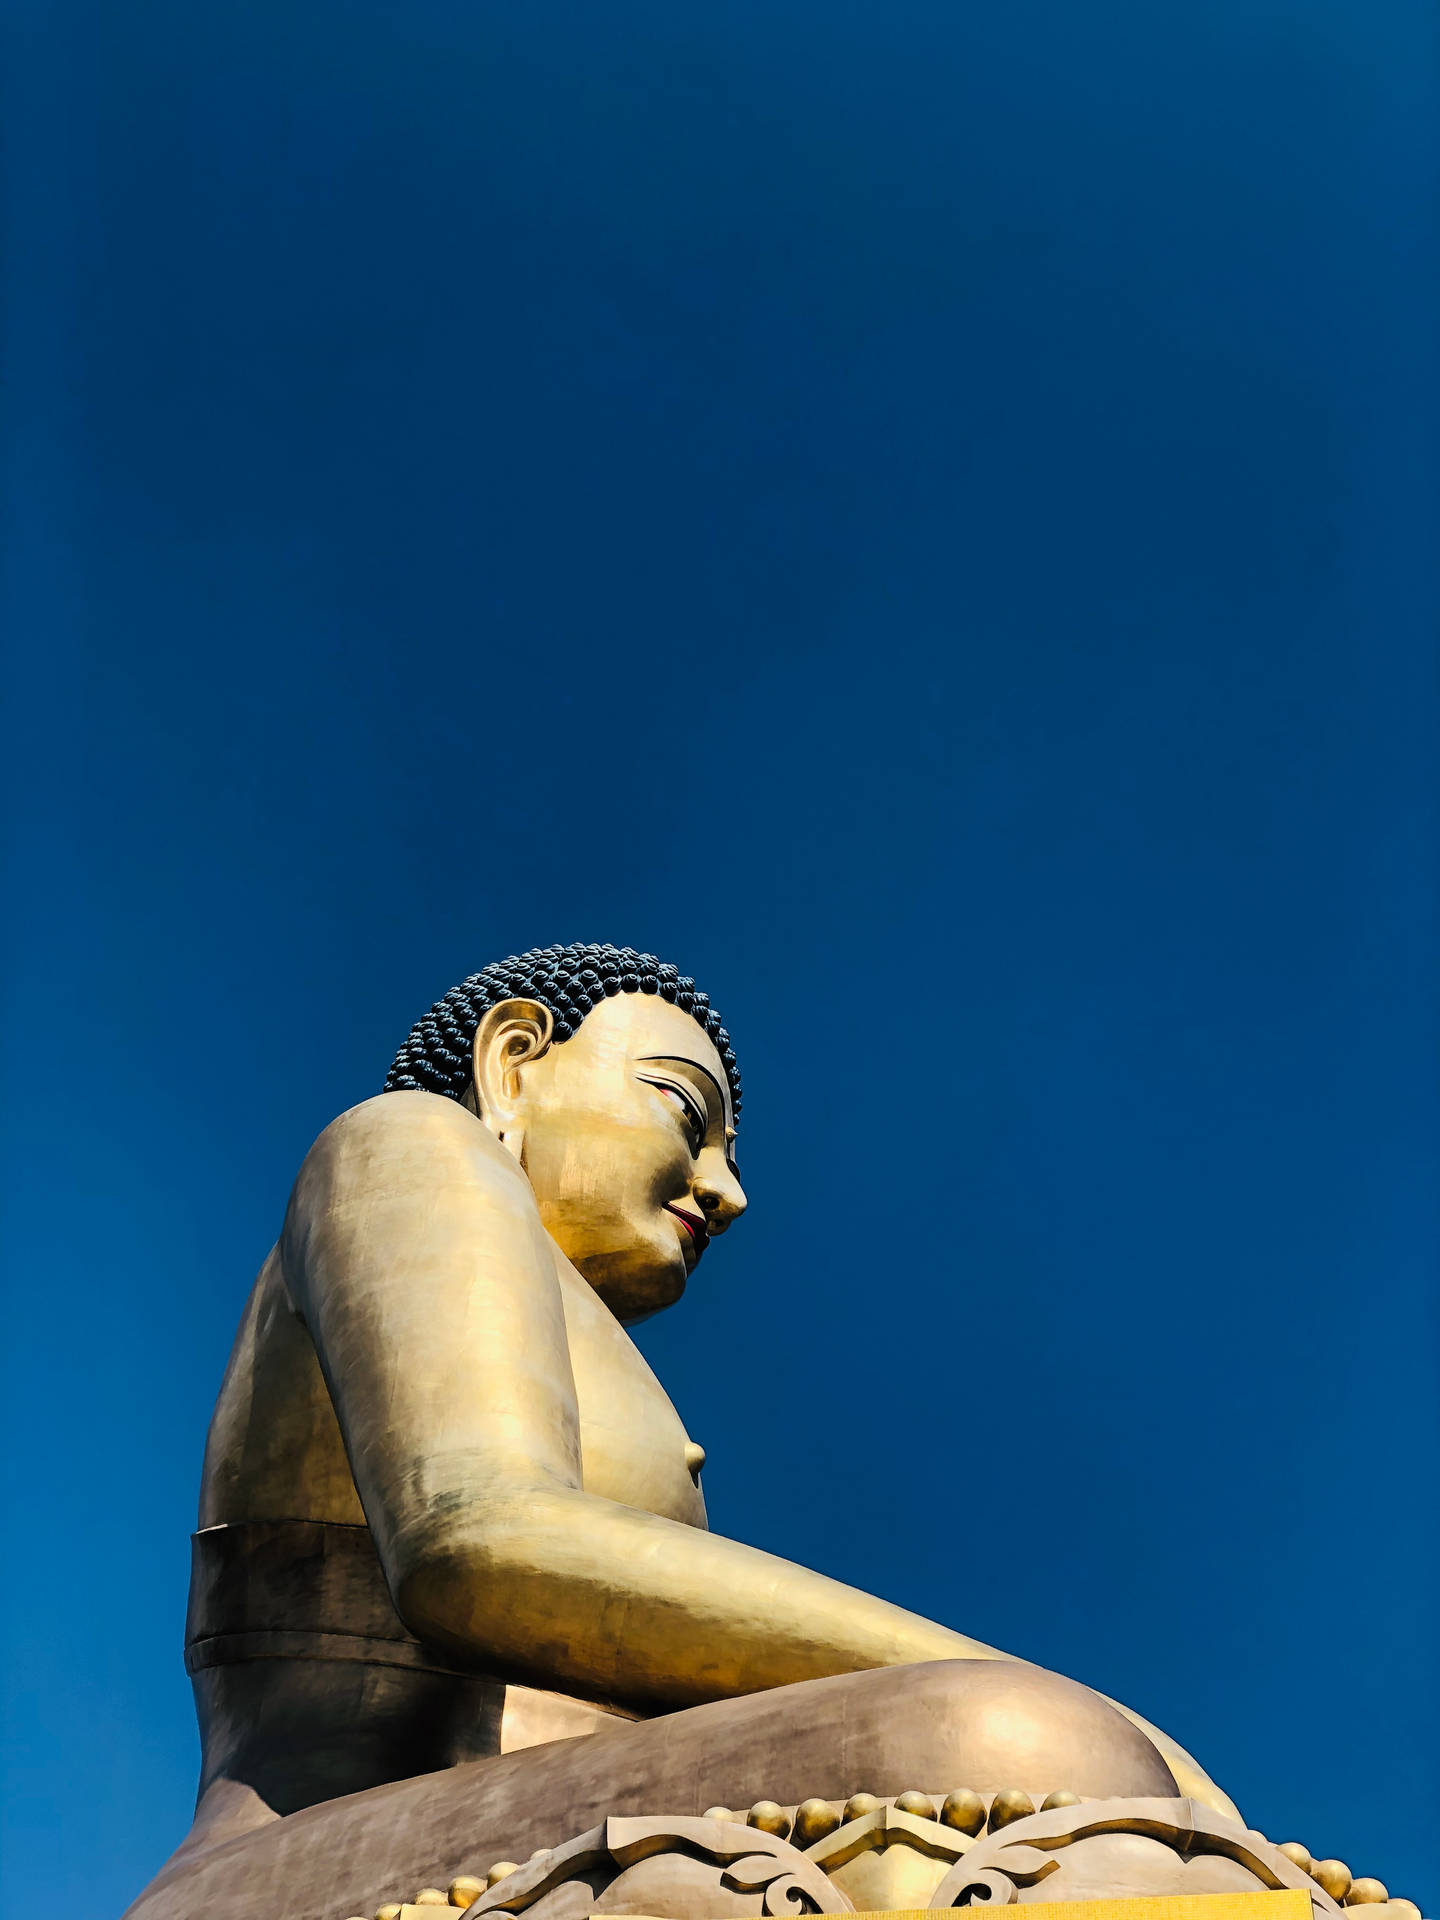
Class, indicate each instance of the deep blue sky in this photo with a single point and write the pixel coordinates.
(913, 511)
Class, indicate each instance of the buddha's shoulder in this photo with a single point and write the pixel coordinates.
(418, 1132)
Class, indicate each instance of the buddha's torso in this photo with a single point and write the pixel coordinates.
(307, 1683)
(275, 1450)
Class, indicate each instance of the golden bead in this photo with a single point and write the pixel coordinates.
(465, 1891)
(1060, 1799)
(717, 1813)
(1367, 1893)
(916, 1803)
(963, 1810)
(1403, 1910)
(430, 1897)
(499, 1871)
(1298, 1856)
(1009, 1806)
(813, 1820)
(1333, 1876)
(769, 1818)
(390, 1911)
(859, 1804)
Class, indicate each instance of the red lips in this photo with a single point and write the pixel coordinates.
(694, 1226)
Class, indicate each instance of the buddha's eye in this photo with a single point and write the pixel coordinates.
(694, 1119)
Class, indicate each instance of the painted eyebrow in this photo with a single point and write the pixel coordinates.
(682, 1060)
(679, 1060)
(690, 1100)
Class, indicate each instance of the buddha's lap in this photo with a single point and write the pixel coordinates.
(947, 1724)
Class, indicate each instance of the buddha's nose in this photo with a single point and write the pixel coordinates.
(720, 1196)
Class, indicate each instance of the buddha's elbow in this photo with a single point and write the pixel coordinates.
(480, 1596)
(435, 1598)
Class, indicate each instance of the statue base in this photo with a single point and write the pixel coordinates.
(1072, 1859)
(1286, 1904)
(766, 1819)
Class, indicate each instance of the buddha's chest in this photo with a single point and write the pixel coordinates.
(275, 1448)
(634, 1446)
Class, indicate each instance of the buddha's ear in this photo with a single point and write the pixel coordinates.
(510, 1035)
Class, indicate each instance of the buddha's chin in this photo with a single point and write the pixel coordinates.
(636, 1282)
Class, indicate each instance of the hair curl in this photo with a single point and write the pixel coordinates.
(436, 1056)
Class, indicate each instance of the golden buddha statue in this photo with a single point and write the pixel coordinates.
(450, 1520)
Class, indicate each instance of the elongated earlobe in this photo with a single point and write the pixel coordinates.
(510, 1035)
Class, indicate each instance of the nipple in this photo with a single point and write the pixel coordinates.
(694, 1459)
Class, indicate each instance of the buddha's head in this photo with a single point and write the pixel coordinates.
(613, 1083)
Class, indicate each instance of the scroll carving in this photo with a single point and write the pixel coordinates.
(1002, 1864)
(726, 1853)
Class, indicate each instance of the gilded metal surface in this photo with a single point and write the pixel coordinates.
(964, 1810)
(435, 1355)
(769, 1818)
(920, 1804)
(814, 1820)
(1333, 1876)
(1007, 1807)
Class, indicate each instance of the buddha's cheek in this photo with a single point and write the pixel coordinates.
(633, 1254)
(602, 1191)
(626, 1174)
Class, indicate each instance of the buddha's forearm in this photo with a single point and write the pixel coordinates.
(557, 1585)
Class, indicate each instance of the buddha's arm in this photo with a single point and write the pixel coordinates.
(414, 1253)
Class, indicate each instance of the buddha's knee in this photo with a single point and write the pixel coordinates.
(990, 1724)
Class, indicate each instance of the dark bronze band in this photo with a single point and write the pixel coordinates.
(296, 1590)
